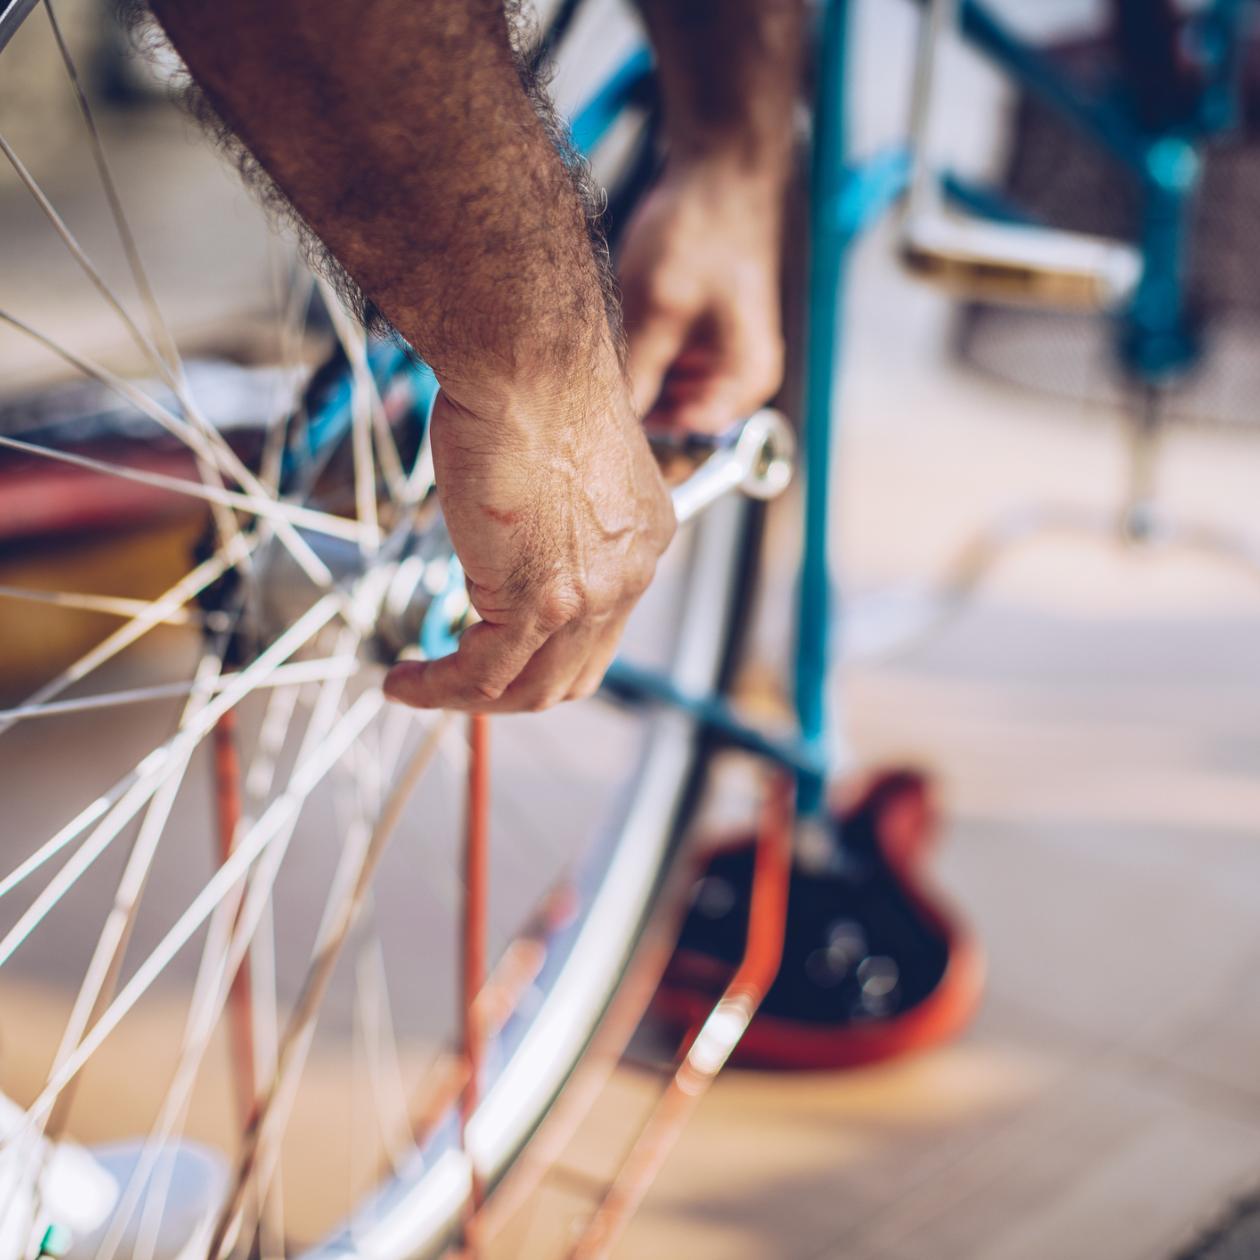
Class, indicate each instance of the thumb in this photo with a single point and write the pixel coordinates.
(651, 348)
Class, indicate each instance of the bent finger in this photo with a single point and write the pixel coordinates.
(551, 674)
(651, 349)
(489, 658)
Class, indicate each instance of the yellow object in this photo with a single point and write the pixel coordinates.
(37, 640)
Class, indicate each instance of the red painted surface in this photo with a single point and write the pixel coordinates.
(42, 499)
(473, 949)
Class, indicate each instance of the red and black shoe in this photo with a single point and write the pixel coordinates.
(874, 964)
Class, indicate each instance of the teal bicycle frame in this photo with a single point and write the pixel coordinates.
(1155, 335)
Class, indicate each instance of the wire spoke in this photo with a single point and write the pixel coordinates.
(231, 933)
(191, 584)
(283, 676)
(174, 1113)
(168, 360)
(261, 959)
(362, 407)
(102, 972)
(303, 782)
(292, 320)
(374, 1014)
(101, 976)
(367, 415)
(77, 252)
(147, 776)
(422, 478)
(212, 446)
(113, 605)
(207, 464)
(204, 440)
(275, 510)
(160, 328)
(261, 1146)
(370, 768)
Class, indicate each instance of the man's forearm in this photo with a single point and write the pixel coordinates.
(730, 72)
(400, 132)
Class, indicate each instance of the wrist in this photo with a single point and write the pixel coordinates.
(716, 192)
(718, 172)
(540, 399)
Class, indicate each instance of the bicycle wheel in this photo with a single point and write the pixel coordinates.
(203, 932)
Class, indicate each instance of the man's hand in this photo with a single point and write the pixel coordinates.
(699, 272)
(700, 262)
(558, 520)
(401, 132)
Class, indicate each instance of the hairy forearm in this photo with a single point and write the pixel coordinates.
(730, 72)
(400, 132)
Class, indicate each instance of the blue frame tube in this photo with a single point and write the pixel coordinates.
(1219, 34)
(632, 682)
(1101, 119)
(828, 248)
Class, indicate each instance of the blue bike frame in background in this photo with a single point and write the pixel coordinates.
(1155, 336)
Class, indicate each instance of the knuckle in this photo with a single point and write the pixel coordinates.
(624, 582)
(641, 573)
(608, 584)
(664, 529)
(546, 700)
(653, 544)
(486, 691)
(556, 607)
(634, 582)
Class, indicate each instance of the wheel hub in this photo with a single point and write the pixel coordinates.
(407, 597)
